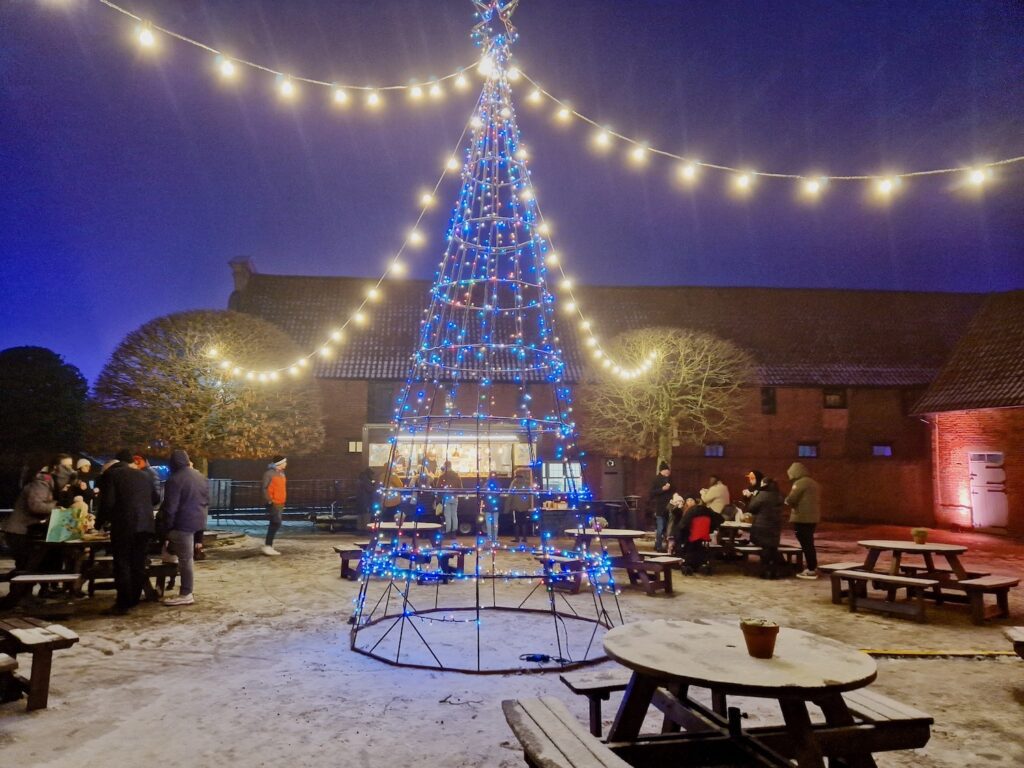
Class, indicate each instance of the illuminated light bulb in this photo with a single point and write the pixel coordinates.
(486, 66)
(262, 377)
(476, 122)
(570, 306)
(544, 228)
(551, 259)
(373, 99)
(212, 352)
(293, 370)
(236, 371)
(811, 187)
(250, 375)
(885, 187)
(688, 172)
(743, 182)
(452, 164)
(436, 91)
(359, 318)
(325, 351)
(564, 114)
(373, 294)
(535, 96)
(397, 268)
(522, 154)
(505, 113)
(607, 363)
(979, 176)
(337, 336)
(592, 341)
(567, 284)
(585, 325)
(416, 93)
(416, 237)
(526, 194)
(227, 69)
(426, 199)
(461, 82)
(302, 362)
(598, 354)
(225, 364)
(341, 96)
(513, 74)
(286, 87)
(638, 154)
(146, 37)
(603, 139)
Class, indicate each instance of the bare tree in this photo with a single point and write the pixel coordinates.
(165, 385)
(693, 389)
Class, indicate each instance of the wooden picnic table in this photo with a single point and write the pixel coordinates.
(649, 574)
(951, 552)
(674, 655)
(76, 555)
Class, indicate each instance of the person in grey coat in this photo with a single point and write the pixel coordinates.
(186, 501)
(31, 514)
(804, 500)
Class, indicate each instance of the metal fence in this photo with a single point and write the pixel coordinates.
(241, 500)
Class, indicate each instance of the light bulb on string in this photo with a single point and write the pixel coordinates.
(337, 336)
(226, 68)
(373, 294)
(452, 164)
(638, 154)
(885, 187)
(436, 91)
(742, 183)
(286, 87)
(813, 187)
(144, 34)
(416, 237)
(602, 139)
(426, 199)
(461, 82)
(373, 100)
(535, 96)
(551, 259)
(688, 172)
(397, 268)
(416, 93)
(564, 115)
(978, 176)
(341, 96)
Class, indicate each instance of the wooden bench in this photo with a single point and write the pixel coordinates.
(552, 738)
(898, 724)
(857, 592)
(597, 686)
(349, 553)
(988, 585)
(163, 574)
(40, 639)
(21, 585)
(569, 574)
(793, 555)
(1016, 636)
(838, 593)
(655, 572)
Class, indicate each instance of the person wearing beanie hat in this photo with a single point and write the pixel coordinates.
(660, 495)
(275, 486)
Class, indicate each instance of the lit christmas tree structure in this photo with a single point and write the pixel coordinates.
(485, 400)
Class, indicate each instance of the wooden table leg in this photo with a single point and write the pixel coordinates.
(633, 709)
(718, 703)
(39, 681)
(838, 714)
(798, 723)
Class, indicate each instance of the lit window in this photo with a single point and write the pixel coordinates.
(881, 449)
(834, 397)
(355, 446)
(714, 450)
(807, 450)
(563, 477)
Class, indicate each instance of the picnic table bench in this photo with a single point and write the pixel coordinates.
(1016, 636)
(350, 553)
(563, 573)
(857, 592)
(39, 639)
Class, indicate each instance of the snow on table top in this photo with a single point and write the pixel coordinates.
(910, 546)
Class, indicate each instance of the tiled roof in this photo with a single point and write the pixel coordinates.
(986, 369)
(797, 336)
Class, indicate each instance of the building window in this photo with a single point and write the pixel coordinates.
(834, 397)
(881, 449)
(355, 446)
(714, 450)
(807, 450)
(563, 477)
(768, 401)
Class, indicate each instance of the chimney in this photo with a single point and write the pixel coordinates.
(241, 270)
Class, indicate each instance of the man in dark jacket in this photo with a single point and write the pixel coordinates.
(661, 494)
(126, 508)
(186, 500)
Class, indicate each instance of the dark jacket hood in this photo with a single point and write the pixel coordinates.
(797, 470)
(179, 460)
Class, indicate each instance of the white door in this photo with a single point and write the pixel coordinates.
(988, 490)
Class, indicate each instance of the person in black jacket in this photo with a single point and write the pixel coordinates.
(766, 507)
(661, 493)
(126, 506)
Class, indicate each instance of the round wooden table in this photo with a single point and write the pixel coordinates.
(677, 654)
(951, 552)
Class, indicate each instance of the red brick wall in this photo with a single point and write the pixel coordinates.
(856, 486)
(957, 433)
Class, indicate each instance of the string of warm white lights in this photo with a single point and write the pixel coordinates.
(374, 293)
(147, 35)
(810, 186)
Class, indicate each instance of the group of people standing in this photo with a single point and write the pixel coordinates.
(679, 516)
(127, 501)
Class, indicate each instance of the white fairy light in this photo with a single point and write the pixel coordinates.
(227, 69)
(145, 36)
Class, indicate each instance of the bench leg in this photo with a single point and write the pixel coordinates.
(978, 607)
(1003, 602)
(595, 713)
(837, 590)
(851, 595)
(39, 681)
(667, 574)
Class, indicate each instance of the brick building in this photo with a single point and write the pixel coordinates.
(839, 372)
(976, 411)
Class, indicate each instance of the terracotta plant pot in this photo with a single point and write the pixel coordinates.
(919, 535)
(760, 636)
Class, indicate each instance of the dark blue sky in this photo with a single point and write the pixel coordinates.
(127, 182)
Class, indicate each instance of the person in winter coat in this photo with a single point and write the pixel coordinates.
(126, 508)
(716, 495)
(186, 500)
(660, 495)
(766, 507)
(31, 514)
(690, 541)
(450, 480)
(275, 486)
(804, 500)
(520, 505)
